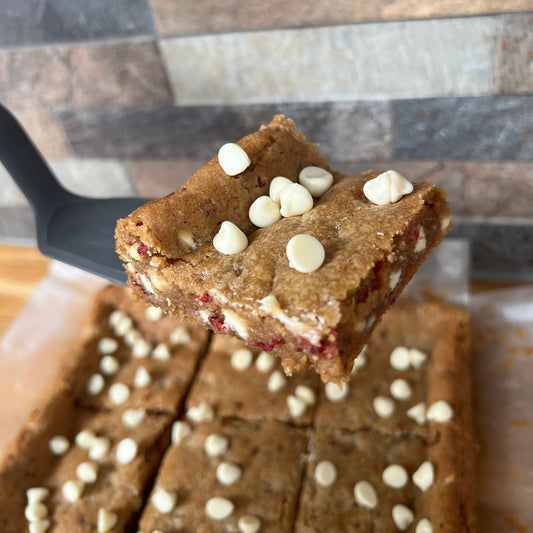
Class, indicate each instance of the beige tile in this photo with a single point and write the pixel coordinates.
(84, 75)
(10, 194)
(514, 59)
(412, 59)
(155, 179)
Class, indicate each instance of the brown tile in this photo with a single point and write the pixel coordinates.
(155, 179)
(46, 133)
(85, 75)
(514, 59)
(183, 17)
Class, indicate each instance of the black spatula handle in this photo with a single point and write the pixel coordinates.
(27, 167)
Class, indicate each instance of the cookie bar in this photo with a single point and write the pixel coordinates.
(397, 441)
(249, 384)
(133, 356)
(227, 474)
(311, 282)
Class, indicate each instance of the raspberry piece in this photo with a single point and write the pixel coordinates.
(142, 249)
(217, 323)
(204, 298)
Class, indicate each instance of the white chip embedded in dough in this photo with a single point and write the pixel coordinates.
(395, 476)
(141, 348)
(365, 494)
(424, 476)
(109, 365)
(87, 471)
(153, 313)
(203, 412)
(306, 394)
(249, 524)
(305, 253)
(402, 516)
(418, 413)
(126, 450)
(417, 358)
(107, 346)
(297, 407)
(164, 501)
(215, 445)
(180, 336)
(241, 360)
(276, 381)
(106, 520)
(387, 188)
(424, 526)
(142, 378)
(228, 473)
(85, 438)
(230, 239)
(233, 159)
(39, 526)
(295, 200)
(59, 445)
(37, 495)
(36, 511)
(133, 418)
(399, 358)
(180, 431)
(72, 490)
(265, 362)
(383, 406)
(276, 186)
(336, 392)
(161, 352)
(316, 180)
(400, 389)
(99, 448)
(325, 473)
(219, 508)
(440, 411)
(264, 212)
(118, 393)
(95, 385)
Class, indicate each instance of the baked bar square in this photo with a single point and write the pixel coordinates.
(316, 318)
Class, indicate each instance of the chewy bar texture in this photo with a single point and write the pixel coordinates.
(249, 384)
(95, 459)
(317, 319)
(414, 449)
(256, 472)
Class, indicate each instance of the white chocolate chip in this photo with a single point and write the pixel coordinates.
(336, 392)
(387, 188)
(276, 381)
(276, 186)
(227, 473)
(424, 526)
(87, 471)
(35, 511)
(365, 494)
(115, 317)
(218, 508)
(417, 358)
(95, 385)
(59, 445)
(164, 501)
(107, 346)
(109, 365)
(161, 352)
(249, 524)
(233, 159)
(99, 448)
(234, 322)
(445, 223)
(265, 362)
(39, 526)
(123, 325)
(394, 279)
(395, 476)
(360, 361)
(402, 516)
(180, 432)
(142, 378)
(424, 476)
(306, 394)
(106, 520)
(37, 495)
(72, 490)
(399, 358)
(264, 212)
(325, 473)
(270, 305)
(215, 445)
(230, 239)
(316, 180)
(153, 313)
(305, 253)
(400, 389)
(241, 360)
(383, 406)
(187, 238)
(141, 348)
(440, 411)
(296, 406)
(85, 438)
(118, 393)
(295, 200)
(132, 418)
(131, 337)
(126, 450)
(202, 412)
(421, 241)
(179, 336)
(418, 413)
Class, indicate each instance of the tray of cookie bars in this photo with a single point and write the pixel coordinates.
(152, 424)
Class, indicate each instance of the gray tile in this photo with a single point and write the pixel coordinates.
(83, 75)
(499, 251)
(17, 224)
(345, 131)
(50, 21)
(408, 59)
(482, 128)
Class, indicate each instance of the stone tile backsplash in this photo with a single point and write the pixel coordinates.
(132, 96)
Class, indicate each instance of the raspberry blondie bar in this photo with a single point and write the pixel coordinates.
(309, 278)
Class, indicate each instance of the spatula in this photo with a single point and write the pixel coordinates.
(71, 228)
